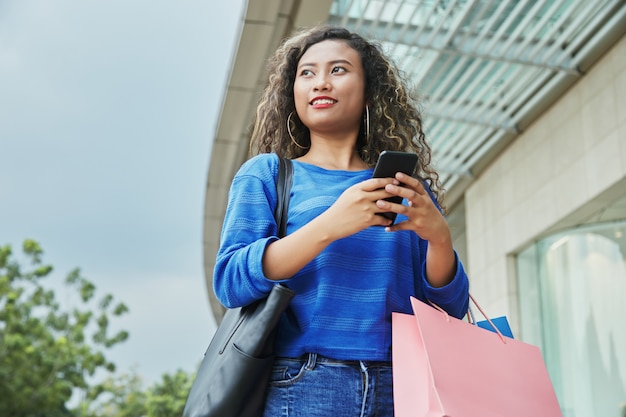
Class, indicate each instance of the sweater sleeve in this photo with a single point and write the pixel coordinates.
(249, 226)
(453, 297)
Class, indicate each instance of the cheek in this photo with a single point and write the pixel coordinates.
(299, 91)
(300, 96)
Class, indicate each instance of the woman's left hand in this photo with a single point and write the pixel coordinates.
(423, 216)
(425, 219)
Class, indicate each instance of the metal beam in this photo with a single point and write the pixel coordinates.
(472, 48)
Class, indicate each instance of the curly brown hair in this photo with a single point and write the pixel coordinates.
(394, 116)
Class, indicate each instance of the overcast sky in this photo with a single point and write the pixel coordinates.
(107, 112)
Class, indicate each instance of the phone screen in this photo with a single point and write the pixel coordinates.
(390, 162)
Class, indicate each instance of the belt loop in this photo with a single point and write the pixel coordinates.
(311, 361)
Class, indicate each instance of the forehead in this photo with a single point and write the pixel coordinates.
(330, 50)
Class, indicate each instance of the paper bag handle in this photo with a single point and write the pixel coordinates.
(486, 317)
(471, 316)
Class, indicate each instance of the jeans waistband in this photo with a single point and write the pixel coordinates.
(312, 359)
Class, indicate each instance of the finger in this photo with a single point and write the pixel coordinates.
(402, 191)
(404, 225)
(377, 183)
(411, 182)
(388, 206)
(383, 205)
(380, 198)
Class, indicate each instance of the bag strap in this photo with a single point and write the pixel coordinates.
(487, 317)
(283, 190)
(471, 316)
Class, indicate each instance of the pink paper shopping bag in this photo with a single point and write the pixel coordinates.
(445, 367)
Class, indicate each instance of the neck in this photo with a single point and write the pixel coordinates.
(334, 158)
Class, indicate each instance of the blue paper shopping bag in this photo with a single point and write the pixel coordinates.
(500, 322)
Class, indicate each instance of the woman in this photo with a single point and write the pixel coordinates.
(333, 103)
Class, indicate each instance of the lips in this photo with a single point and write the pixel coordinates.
(322, 101)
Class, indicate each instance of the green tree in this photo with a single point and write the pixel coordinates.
(47, 351)
(167, 398)
(123, 396)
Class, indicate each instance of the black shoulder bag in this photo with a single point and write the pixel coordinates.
(234, 374)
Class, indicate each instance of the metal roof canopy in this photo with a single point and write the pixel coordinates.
(484, 71)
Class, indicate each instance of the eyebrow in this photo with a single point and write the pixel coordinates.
(336, 61)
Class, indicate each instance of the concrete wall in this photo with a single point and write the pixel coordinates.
(564, 168)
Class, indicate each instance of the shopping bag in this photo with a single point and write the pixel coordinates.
(501, 323)
(496, 324)
(445, 367)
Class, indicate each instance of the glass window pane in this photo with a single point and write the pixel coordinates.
(572, 290)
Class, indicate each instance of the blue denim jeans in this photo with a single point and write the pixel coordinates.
(314, 386)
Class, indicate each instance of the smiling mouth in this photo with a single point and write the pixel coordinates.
(323, 101)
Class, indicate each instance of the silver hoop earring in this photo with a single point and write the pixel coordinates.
(367, 123)
(291, 134)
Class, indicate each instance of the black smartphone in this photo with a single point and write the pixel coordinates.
(390, 162)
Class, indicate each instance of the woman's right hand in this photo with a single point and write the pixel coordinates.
(356, 208)
(353, 211)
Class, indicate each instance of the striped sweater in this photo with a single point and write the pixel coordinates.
(345, 296)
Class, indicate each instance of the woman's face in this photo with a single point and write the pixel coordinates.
(329, 89)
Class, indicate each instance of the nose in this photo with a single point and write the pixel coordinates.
(322, 83)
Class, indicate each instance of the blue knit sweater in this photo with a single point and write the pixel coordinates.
(345, 296)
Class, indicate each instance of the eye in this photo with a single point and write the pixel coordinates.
(337, 70)
(306, 72)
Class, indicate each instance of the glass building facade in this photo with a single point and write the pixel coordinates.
(572, 288)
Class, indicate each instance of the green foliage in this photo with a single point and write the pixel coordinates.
(168, 397)
(47, 351)
(123, 396)
(119, 396)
